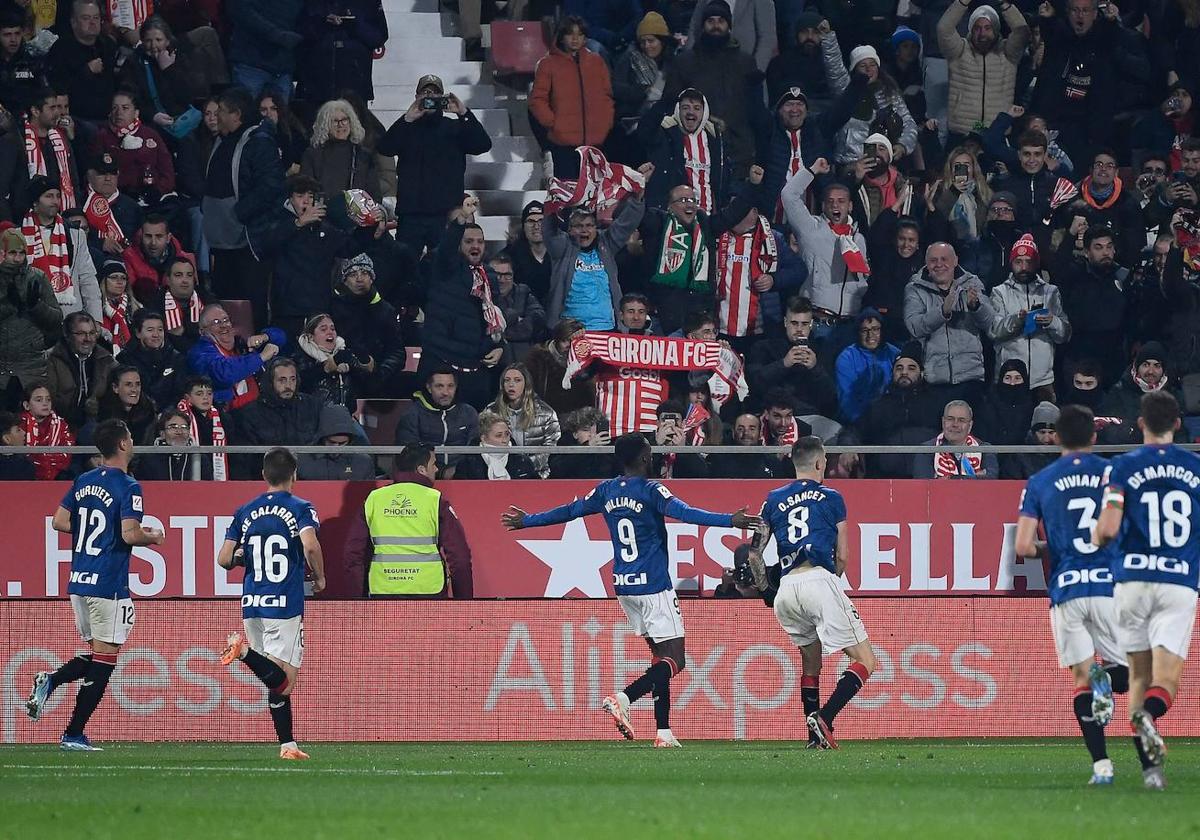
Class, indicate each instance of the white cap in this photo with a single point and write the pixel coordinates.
(880, 140)
(859, 53)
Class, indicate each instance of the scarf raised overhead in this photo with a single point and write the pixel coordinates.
(601, 184)
(36, 159)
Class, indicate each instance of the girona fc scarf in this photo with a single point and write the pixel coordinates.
(54, 261)
(683, 260)
(741, 259)
(946, 464)
(132, 128)
(481, 288)
(129, 14)
(173, 312)
(848, 249)
(100, 218)
(601, 184)
(220, 462)
(116, 322)
(36, 160)
(50, 431)
(728, 379)
(697, 167)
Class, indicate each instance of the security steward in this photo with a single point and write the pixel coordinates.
(409, 538)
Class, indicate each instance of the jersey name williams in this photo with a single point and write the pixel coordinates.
(623, 502)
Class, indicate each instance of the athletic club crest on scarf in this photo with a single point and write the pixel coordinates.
(601, 184)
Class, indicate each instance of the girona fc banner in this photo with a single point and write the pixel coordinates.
(908, 538)
(538, 670)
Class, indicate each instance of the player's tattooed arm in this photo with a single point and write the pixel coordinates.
(135, 534)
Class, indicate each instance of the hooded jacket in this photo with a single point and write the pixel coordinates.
(1006, 410)
(662, 134)
(563, 253)
(863, 375)
(1007, 331)
(572, 97)
(425, 423)
(340, 463)
(981, 84)
(952, 346)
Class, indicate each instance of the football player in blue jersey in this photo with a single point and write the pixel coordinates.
(634, 508)
(1065, 497)
(1151, 496)
(808, 522)
(275, 537)
(103, 514)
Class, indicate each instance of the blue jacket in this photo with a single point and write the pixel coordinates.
(265, 33)
(226, 371)
(862, 377)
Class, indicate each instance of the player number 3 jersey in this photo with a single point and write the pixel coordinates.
(268, 530)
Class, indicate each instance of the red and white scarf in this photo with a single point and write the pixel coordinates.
(795, 162)
(173, 312)
(220, 460)
(245, 391)
(50, 431)
(55, 261)
(481, 288)
(697, 167)
(1144, 386)
(790, 435)
(728, 379)
(129, 14)
(741, 259)
(886, 184)
(131, 129)
(116, 322)
(847, 247)
(601, 184)
(946, 464)
(36, 160)
(98, 211)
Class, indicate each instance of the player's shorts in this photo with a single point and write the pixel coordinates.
(103, 619)
(1151, 615)
(811, 605)
(282, 638)
(1084, 627)
(655, 617)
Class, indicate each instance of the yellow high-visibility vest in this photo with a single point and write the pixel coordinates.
(403, 521)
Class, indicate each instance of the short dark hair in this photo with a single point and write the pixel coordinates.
(179, 258)
(75, 318)
(836, 185)
(779, 398)
(108, 436)
(277, 363)
(798, 304)
(502, 257)
(633, 297)
(1087, 366)
(629, 447)
(12, 17)
(908, 223)
(7, 418)
(806, 450)
(197, 381)
(1191, 144)
(142, 316)
(126, 91)
(1030, 137)
(669, 407)
(441, 370)
(1098, 232)
(279, 465)
(412, 456)
(696, 319)
(301, 184)
(1106, 151)
(38, 98)
(1076, 425)
(156, 219)
(237, 99)
(1159, 412)
(170, 413)
(119, 370)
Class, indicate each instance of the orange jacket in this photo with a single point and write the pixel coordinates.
(573, 99)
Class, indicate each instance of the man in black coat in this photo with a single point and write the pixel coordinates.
(908, 414)
(281, 416)
(371, 329)
(787, 360)
(431, 149)
(755, 463)
(339, 39)
(83, 64)
(21, 72)
(801, 65)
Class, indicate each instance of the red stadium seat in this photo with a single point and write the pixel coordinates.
(517, 46)
(241, 315)
(380, 417)
(412, 360)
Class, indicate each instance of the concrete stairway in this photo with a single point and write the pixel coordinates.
(423, 40)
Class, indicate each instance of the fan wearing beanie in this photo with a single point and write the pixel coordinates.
(880, 110)
(982, 66)
(639, 74)
(1029, 320)
(29, 313)
(906, 415)
(751, 24)
(1147, 374)
(880, 185)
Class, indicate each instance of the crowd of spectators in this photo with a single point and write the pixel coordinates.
(913, 225)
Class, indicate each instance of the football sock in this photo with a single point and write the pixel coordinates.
(1157, 701)
(90, 694)
(272, 676)
(1093, 733)
(1119, 675)
(281, 716)
(810, 696)
(851, 681)
(71, 670)
(1137, 745)
(659, 669)
(662, 703)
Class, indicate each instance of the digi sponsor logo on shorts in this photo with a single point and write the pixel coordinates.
(1071, 577)
(1156, 563)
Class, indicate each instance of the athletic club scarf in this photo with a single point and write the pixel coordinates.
(848, 249)
(741, 259)
(129, 14)
(728, 379)
(50, 431)
(98, 211)
(116, 322)
(36, 160)
(697, 167)
(795, 161)
(683, 260)
(946, 464)
(1145, 386)
(601, 184)
(173, 312)
(220, 461)
(54, 261)
(481, 288)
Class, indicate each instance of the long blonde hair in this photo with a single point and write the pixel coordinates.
(983, 192)
(522, 416)
(324, 122)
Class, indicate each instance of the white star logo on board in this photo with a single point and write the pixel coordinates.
(575, 561)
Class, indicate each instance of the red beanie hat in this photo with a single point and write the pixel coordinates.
(1024, 247)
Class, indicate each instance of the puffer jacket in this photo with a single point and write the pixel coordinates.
(543, 430)
(980, 85)
(953, 350)
(1008, 327)
(853, 135)
(572, 97)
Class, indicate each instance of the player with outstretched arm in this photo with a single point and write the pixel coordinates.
(808, 522)
(634, 508)
(103, 514)
(1151, 496)
(1065, 498)
(274, 536)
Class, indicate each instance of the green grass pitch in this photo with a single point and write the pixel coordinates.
(574, 790)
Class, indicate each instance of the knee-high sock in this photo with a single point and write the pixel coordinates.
(810, 696)
(1157, 701)
(1093, 733)
(92, 691)
(851, 681)
(659, 669)
(272, 676)
(662, 702)
(281, 715)
(71, 670)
